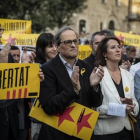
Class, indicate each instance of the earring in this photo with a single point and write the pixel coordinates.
(105, 58)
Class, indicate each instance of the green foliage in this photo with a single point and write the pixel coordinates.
(43, 13)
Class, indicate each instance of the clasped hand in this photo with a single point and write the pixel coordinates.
(129, 104)
(75, 79)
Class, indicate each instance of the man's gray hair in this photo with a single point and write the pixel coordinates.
(93, 36)
(129, 47)
(57, 37)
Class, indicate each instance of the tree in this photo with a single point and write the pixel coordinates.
(43, 13)
(60, 12)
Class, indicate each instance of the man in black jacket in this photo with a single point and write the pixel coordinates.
(67, 80)
(95, 40)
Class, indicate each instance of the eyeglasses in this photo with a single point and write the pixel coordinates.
(69, 42)
(1, 30)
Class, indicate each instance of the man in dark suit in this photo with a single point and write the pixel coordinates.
(95, 40)
(67, 80)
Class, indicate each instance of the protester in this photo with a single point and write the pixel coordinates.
(45, 51)
(15, 52)
(118, 88)
(22, 104)
(45, 48)
(131, 55)
(83, 39)
(137, 94)
(134, 68)
(9, 124)
(108, 32)
(95, 40)
(63, 82)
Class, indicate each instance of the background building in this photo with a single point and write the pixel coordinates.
(121, 15)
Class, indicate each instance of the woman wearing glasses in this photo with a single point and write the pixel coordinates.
(119, 103)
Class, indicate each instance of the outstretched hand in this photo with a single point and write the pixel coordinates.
(96, 76)
(27, 58)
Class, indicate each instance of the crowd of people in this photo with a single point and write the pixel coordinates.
(111, 81)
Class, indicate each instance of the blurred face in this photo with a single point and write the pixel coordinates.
(114, 51)
(50, 52)
(69, 45)
(97, 40)
(131, 53)
(16, 55)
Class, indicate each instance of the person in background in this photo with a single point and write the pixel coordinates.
(45, 51)
(9, 124)
(117, 87)
(22, 104)
(94, 42)
(9, 121)
(45, 48)
(108, 33)
(137, 94)
(15, 52)
(83, 39)
(134, 68)
(131, 55)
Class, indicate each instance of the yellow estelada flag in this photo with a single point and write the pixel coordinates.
(86, 124)
(76, 120)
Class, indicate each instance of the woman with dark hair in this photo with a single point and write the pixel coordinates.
(119, 103)
(45, 51)
(45, 48)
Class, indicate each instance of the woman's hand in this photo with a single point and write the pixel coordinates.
(41, 75)
(129, 102)
(130, 108)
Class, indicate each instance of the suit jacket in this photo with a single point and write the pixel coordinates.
(137, 94)
(111, 124)
(57, 93)
(91, 61)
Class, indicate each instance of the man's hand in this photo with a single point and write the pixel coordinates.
(96, 76)
(41, 75)
(75, 79)
(126, 65)
(27, 58)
